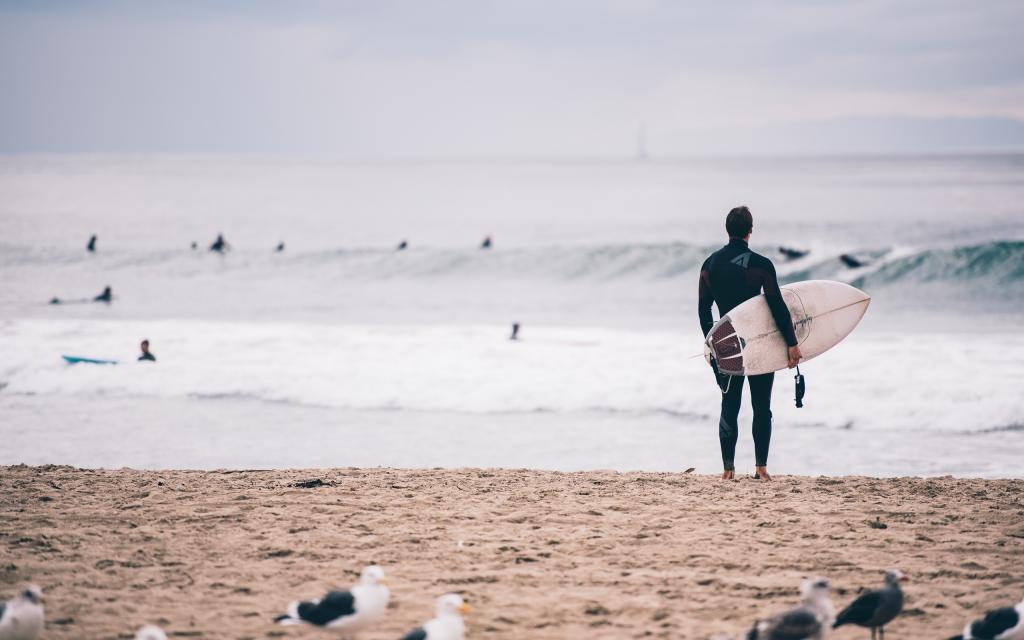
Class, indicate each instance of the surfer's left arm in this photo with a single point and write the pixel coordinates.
(704, 301)
(772, 293)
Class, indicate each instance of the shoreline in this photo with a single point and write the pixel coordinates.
(153, 433)
(543, 554)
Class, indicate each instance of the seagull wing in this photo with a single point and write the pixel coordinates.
(419, 633)
(796, 624)
(860, 610)
(336, 604)
(994, 623)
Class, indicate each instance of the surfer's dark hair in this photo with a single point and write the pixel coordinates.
(739, 222)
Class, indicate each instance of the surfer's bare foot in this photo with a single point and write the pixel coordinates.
(762, 474)
(728, 474)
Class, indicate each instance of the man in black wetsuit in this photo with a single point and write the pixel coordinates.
(728, 277)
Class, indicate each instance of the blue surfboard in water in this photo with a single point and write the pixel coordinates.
(76, 360)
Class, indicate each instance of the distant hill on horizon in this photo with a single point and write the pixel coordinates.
(852, 135)
(838, 136)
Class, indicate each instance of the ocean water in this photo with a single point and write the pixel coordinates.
(343, 351)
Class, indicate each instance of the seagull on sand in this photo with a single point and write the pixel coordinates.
(150, 632)
(810, 620)
(1004, 623)
(344, 611)
(21, 618)
(448, 624)
(876, 608)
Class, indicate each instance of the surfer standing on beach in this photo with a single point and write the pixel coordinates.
(730, 276)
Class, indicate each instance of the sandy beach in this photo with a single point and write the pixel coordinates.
(538, 554)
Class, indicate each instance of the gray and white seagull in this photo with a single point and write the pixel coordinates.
(21, 618)
(810, 620)
(346, 612)
(876, 608)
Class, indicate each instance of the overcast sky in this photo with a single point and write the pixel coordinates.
(386, 78)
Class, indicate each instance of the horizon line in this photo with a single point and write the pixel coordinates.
(518, 158)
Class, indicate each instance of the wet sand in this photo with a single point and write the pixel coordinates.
(538, 554)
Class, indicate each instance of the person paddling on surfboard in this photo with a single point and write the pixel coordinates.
(106, 296)
(729, 276)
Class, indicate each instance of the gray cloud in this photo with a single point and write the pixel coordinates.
(412, 78)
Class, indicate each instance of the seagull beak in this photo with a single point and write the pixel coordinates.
(382, 581)
(464, 608)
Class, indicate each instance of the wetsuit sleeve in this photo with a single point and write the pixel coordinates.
(704, 301)
(780, 312)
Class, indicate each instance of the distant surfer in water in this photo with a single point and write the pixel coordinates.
(91, 247)
(486, 244)
(146, 355)
(107, 296)
(220, 245)
(515, 331)
(280, 247)
(730, 276)
(851, 261)
(792, 254)
(403, 245)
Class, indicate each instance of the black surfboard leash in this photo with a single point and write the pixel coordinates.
(801, 387)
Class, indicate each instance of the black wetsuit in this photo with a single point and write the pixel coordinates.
(732, 275)
(147, 356)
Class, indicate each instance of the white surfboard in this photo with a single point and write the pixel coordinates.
(746, 342)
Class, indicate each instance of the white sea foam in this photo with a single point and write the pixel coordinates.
(873, 381)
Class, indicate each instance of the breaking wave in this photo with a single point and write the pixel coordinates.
(990, 265)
